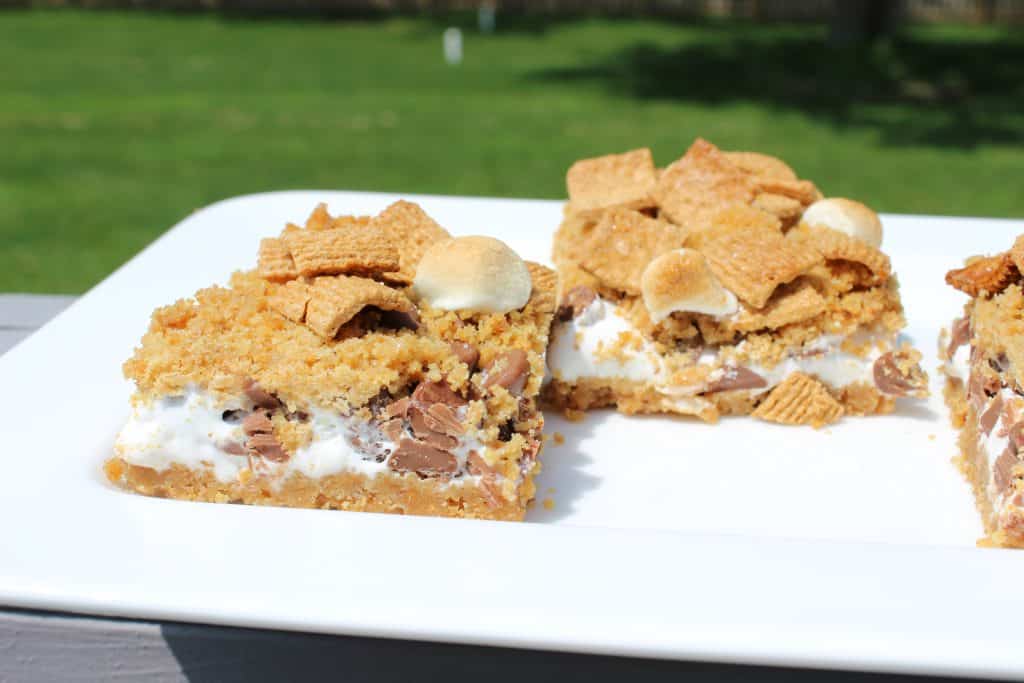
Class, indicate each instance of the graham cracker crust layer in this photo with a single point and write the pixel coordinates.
(395, 493)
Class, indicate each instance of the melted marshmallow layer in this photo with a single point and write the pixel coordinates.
(191, 431)
(580, 348)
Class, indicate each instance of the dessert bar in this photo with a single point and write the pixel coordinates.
(723, 284)
(366, 363)
(983, 360)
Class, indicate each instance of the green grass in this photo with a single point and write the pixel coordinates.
(113, 126)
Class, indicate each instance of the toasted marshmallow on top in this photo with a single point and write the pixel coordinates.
(473, 274)
(681, 280)
(846, 216)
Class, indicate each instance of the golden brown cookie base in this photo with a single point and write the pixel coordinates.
(630, 397)
(396, 494)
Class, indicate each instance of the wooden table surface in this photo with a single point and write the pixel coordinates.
(48, 646)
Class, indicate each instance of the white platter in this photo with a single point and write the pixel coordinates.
(850, 548)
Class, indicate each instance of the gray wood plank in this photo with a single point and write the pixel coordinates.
(41, 646)
(8, 338)
(30, 311)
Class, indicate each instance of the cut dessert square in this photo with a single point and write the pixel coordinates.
(321, 379)
(735, 289)
(983, 360)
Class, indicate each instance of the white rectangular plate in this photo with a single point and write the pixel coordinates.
(850, 547)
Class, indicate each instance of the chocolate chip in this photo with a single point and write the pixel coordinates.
(506, 430)
(437, 392)
(393, 429)
(476, 465)
(467, 353)
(423, 459)
(981, 385)
(575, 301)
(267, 447)
(959, 334)
(261, 398)
(735, 378)
(509, 370)
(424, 432)
(379, 403)
(1002, 469)
(988, 419)
(1016, 436)
(232, 448)
(233, 416)
(442, 418)
(397, 408)
(257, 423)
(891, 378)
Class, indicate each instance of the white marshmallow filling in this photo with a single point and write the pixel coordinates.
(581, 349)
(195, 430)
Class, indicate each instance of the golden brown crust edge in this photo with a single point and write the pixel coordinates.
(394, 494)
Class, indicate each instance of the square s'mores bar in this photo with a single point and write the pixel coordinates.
(983, 360)
(723, 284)
(367, 363)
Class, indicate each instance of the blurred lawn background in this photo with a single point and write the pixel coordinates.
(115, 125)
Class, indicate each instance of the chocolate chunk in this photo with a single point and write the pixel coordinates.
(1016, 435)
(442, 418)
(476, 465)
(1000, 363)
(427, 393)
(397, 408)
(467, 353)
(988, 419)
(232, 448)
(981, 386)
(506, 430)
(959, 334)
(1002, 469)
(261, 398)
(233, 416)
(735, 378)
(425, 433)
(393, 429)
(891, 378)
(379, 404)
(509, 370)
(575, 301)
(267, 447)
(257, 423)
(423, 459)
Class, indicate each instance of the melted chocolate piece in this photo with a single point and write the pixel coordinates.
(575, 301)
(509, 370)
(267, 447)
(467, 353)
(425, 433)
(437, 392)
(423, 459)
(736, 378)
(397, 408)
(261, 398)
(257, 423)
(232, 448)
(891, 379)
(959, 334)
(1002, 469)
(988, 419)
